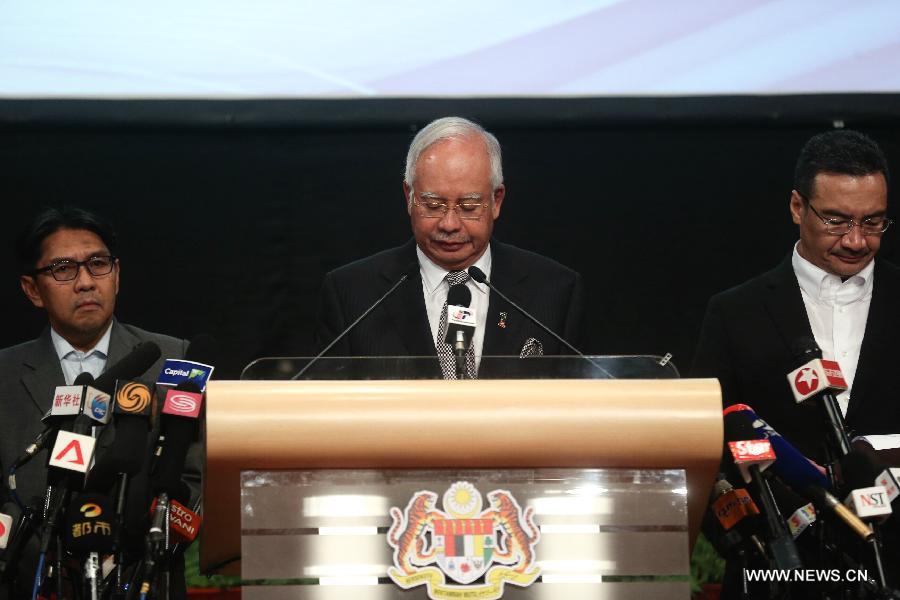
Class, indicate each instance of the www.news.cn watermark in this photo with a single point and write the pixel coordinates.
(806, 575)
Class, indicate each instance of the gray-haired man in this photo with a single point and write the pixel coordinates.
(454, 192)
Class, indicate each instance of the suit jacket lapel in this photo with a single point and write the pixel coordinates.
(46, 373)
(509, 278)
(784, 304)
(882, 327)
(407, 306)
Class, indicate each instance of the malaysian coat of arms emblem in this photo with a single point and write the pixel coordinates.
(478, 550)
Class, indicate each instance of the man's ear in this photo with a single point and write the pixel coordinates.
(407, 194)
(796, 206)
(29, 286)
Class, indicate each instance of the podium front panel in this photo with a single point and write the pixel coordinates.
(473, 533)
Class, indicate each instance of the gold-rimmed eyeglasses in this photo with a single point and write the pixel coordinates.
(469, 209)
(841, 226)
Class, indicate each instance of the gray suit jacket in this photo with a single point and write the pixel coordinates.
(29, 373)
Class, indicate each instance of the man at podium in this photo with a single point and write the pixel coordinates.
(454, 191)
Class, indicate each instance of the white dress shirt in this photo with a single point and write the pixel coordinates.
(435, 289)
(837, 312)
(74, 362)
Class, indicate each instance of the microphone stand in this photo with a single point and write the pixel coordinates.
(459, 351)
(479, 276)
(350, 327)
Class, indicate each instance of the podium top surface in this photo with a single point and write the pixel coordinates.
(489, 367)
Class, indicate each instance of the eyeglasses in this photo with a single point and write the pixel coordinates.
(67, 270)
(837, 226)
(432, 208)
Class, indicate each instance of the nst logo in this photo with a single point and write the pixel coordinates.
(182, 404)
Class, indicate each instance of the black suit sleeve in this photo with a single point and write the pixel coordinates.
(713, 357)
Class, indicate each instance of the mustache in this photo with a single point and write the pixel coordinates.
(88, 300)
(438, 236)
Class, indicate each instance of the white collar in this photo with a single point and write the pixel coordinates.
(433, 275)
(64, 348)
(822, 285)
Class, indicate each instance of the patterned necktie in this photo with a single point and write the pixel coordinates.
(445, 351)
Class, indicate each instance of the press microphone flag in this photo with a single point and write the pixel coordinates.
(72, 451)
(815, 377)
(6, 523)
(870, 503)
(751, 452)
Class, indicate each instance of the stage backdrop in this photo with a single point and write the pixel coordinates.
(231, 212)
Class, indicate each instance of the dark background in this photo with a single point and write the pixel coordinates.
(231, 212)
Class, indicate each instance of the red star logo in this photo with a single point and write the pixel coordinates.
(806, 381)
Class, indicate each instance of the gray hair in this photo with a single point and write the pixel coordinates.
(453, 128)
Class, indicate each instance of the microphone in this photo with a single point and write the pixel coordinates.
(739, 431)
(89, 525)
(13, 539)
(790, 465)
(89, 532)
(132, 366)
(802, 511)
(460, 324)
(861, 468)
(739, 517)
(479, 276)
(64, 409)
(408, 272)
(874, 488)
(802, 479)
(6, 523)
(184, 523)
(178, 426)
(817, 378)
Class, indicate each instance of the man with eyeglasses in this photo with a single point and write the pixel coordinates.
(69, 269)
(831, 288)
(453, 190)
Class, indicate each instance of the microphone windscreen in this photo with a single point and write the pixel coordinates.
(180, 433)
(738, 427)
(132, 366)
(477, 274)
(805, 349)
(459, 295)
(89, 523)
(126, 454)
(84, 378)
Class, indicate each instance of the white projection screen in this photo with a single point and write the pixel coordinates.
(228, 49)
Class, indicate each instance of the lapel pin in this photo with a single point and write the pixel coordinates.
(502, 323)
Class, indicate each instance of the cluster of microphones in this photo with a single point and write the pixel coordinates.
(88, 522)
(769, 500)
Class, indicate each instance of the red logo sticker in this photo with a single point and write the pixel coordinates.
(806, 381)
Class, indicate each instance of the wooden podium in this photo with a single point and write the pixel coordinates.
(505, 424)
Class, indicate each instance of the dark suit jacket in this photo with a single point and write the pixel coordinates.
(745, 342)
(29, 373)
(551, 292)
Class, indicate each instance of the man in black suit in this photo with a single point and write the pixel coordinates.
(69, 269)
(830, 288)
(454, 192)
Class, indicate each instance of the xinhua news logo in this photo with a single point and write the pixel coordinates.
(806, 575)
